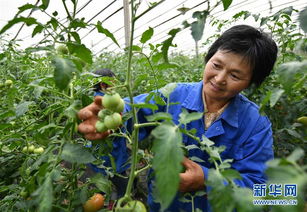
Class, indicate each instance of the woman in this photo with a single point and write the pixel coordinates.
(240, 57)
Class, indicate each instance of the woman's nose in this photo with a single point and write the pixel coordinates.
(220, 78)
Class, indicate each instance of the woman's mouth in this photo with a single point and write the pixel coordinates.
(216, 87)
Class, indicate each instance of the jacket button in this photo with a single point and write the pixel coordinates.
(217, 128)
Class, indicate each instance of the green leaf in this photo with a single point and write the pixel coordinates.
(197, 159)
(168, 89)
(289, 72)
(136, 48)
(27, 21)
(168, 42)
(197, 27)
(159, 116)
(226, 4)
(80, 51)
(192, 146)
(38, 29)
(73, 109)
(207, 142)
(275, 96)
(144, 105)
(166, 162)
(244, 199)
(4, 126)
(78, 23)
(240, 14)
(186, 117)
(215, 179)
(6, 114)
(303, 19)
(159, 99)
(156, 57)
(296, 155)
(147, 35)
(46, 195)
(231, 174)
(26, 7)
(54, 23)
(263, 20)
(76, 37)
(45, 4)
(265, 99)
(76, 154)
(22, 108)
(63, 69)
(102, 183)
(106, 32)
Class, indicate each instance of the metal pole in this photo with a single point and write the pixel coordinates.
(126, 22)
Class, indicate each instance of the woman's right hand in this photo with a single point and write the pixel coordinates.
(89, 117)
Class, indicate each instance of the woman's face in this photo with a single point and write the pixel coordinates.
(226, 74)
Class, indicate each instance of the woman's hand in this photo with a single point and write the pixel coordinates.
(89, 117)
(193, 178)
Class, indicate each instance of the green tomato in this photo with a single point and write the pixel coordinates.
(103, 113)
(1, 85)
(31, 148)
(100, 126)
(25, 149)
(62, 49)
(8, 83)
(113, 121)
(24, 194)
(120, 107)
(110, 101)
(38, 150)
(28, 171)
(135, 206)
(302, 120)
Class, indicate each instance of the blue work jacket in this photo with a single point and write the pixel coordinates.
(246, 134)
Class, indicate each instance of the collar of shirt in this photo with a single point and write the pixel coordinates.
(194, 102)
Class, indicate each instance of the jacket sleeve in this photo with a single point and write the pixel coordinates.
(254, 153)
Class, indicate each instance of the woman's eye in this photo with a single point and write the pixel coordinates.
(235, 76)
(217, 66)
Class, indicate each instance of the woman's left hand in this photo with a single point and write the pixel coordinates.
(193, 178)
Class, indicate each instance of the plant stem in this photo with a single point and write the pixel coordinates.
(151, 67)
(142, 169)
(128, 83)
(134, 120)
(66, 9)
(192, 198)
(150, 124)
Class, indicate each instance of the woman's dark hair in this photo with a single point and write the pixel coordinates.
(105, 72)
(256, 46)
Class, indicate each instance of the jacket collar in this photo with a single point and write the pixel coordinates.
(194, 102)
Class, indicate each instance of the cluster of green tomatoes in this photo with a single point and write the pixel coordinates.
(33, 149)
(110, 116)
(8, 84)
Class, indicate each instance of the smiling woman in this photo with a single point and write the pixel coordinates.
(240, 57)
(226, 74)
(234, 62)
